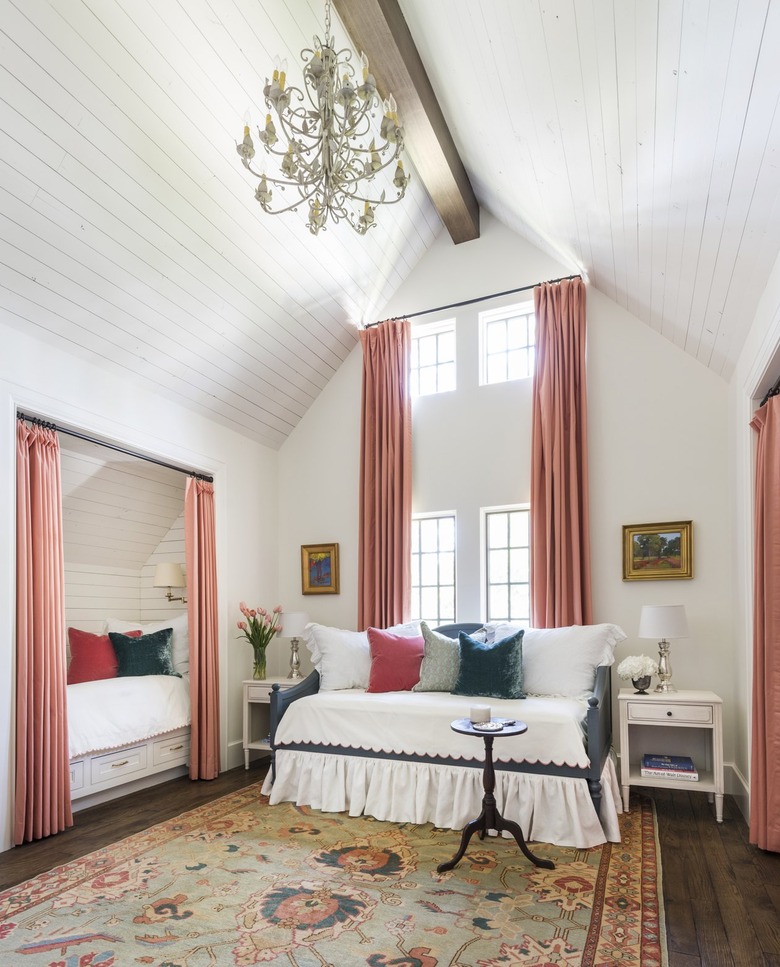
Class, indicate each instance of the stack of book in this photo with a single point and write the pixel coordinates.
(669, 767)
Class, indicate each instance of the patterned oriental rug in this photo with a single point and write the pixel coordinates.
(240, 882)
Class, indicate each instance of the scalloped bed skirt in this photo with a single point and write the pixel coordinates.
(549, 809)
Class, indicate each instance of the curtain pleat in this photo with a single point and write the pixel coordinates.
(201, 557)
(42, 798)
(384, 566)
(560, 533)
(765, 746)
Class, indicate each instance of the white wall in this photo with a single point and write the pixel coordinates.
(758, 368)
(659, 426)
(71, 391)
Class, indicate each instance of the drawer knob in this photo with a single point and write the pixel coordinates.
(669, 714)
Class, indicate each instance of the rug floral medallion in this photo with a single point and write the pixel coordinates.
(239, 882)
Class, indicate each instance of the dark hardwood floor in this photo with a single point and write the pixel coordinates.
(722, 895)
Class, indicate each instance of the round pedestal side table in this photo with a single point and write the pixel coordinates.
(490, 817)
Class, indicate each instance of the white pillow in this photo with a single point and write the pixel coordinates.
(343, 658)
(180, 644)
(563, 661)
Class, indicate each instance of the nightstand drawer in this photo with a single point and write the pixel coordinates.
(661, 712)
(258, 693)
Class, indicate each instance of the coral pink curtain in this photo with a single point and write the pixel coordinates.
(384, 566)
(42, 804)
(765, 755)
(560, 534)
(201, 557)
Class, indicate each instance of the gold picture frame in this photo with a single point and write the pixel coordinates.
(320, 568)
(658, 552)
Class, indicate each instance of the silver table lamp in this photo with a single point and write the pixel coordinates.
(294, 625)
(662, 622)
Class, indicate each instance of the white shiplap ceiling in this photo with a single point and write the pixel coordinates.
(637, 141)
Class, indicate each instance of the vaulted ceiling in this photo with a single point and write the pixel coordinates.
(636, 140)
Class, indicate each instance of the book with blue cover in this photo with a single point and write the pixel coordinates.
(675, 763)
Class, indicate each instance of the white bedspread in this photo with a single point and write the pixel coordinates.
(114, 712)
(418, 723)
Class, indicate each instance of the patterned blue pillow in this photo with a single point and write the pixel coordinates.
(441, 660)
(493, 669)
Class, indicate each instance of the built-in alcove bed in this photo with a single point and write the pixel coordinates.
(121, 517)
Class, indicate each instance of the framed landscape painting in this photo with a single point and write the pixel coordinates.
(320, 568)
(658, 551)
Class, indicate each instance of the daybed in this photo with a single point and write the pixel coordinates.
(127, 727)
(392, 754)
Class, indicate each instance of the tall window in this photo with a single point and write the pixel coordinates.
(433, 358)
(507, 560)
(507, 343)
(433, 568)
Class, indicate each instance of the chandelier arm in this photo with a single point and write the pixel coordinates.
(331, 127)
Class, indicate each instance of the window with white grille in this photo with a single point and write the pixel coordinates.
(507, 564)
(432, 367)
(507, 339)
(433, 568)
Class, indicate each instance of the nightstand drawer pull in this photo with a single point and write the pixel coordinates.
(175, 748)
(669, 714)
(118, 765)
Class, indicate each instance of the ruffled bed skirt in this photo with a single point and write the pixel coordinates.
(549, 809)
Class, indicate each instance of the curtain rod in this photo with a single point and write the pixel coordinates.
(770, 392)
(112, 446)
(468, 302)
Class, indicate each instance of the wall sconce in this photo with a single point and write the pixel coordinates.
(167, 575)
(294, 625)
(663, 621)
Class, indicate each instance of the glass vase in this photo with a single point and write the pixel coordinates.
(258, 672)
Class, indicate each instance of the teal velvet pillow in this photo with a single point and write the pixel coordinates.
(494, 669)
(148, 655)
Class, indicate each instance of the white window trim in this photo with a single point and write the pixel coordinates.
(433, 329)
(483, 564)
(435, 515)
(490, 315)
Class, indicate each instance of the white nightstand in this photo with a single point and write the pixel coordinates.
(257, 713)
(672, 723)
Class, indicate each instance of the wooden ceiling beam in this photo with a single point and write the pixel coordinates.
(378, 28)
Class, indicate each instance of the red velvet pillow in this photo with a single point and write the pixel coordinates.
(395, 661)
(92, 656)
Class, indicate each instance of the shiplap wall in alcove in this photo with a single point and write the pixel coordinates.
(121, 515)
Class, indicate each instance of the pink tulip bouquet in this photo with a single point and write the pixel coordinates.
(259, 628)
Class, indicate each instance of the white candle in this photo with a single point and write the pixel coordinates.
(480, 713)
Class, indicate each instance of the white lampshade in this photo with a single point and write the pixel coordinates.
(663, 621)
(294, 623)
(167, 575)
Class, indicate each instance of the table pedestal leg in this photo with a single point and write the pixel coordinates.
(491, 818)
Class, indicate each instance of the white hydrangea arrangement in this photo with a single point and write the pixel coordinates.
(637, 666)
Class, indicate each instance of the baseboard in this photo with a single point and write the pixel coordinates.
(738, 787)
(235, 755)
(117, 792)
